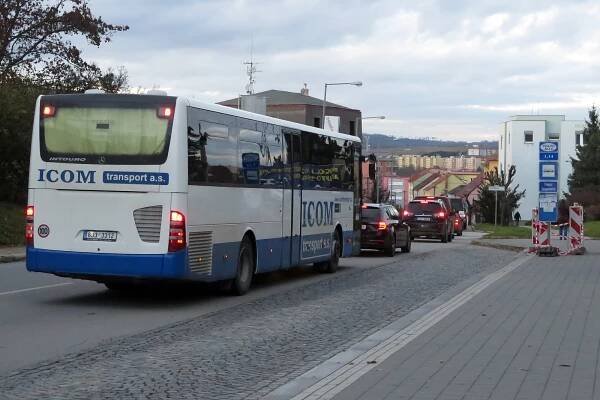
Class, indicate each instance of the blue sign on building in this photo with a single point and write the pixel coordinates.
(548, 171)
(548, 187)
(548, 151)
(548, 207)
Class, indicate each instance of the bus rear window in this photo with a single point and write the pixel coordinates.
(106, 129)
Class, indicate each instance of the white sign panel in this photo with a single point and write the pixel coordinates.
(332, 123)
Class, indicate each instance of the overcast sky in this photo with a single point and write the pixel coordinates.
(449, 69)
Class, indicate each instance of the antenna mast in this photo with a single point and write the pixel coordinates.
(251, 70)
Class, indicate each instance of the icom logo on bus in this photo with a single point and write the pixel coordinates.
(66, 176)
(317, 213)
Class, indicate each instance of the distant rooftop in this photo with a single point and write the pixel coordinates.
(277, 97)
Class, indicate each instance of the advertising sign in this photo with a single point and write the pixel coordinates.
(548, 151)
(548, 187)
(547, 207)
(548, 171)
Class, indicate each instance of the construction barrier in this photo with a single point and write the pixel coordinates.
(575, 235)
(575, 228)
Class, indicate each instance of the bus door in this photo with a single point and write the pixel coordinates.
(292, 199)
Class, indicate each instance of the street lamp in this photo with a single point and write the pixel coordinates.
(357, 83)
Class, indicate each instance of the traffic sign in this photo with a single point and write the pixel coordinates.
(548, 151)
(548, 171)
(547, 207)
(496, 188)
(548, 187)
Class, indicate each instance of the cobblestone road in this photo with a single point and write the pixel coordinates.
(248, 350)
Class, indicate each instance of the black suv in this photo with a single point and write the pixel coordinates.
(429, 218)
(382, 229)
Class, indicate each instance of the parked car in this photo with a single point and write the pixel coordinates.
(447, 205)
(382, 228)
(429, 218)
(460, 206)
(458, 224)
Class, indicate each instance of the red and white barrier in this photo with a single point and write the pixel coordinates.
(539, 231)
(575, 227)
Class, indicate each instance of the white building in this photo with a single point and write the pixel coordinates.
(519, 146)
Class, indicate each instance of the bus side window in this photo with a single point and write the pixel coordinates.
(212, 152)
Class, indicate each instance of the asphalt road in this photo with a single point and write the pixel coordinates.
(77, 326)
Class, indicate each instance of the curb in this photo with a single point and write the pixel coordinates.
(499, 246)
(12, 258)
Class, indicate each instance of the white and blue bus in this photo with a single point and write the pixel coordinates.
(149, 187)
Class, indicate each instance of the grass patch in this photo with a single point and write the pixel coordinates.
(504, 232)
(592, 229)
(12, 225)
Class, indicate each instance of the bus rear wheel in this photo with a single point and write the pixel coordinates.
(245, 269)
(331, 266)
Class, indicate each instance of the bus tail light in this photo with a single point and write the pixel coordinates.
(165, 112)
(177, 240)
(29, 226)
(48, 111)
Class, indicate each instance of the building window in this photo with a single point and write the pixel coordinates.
(317, 122)
(554, 136)
(528, 136)
(578, 138)
(352, 128)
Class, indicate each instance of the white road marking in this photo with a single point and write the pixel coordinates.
(35, 288)
(326, 386)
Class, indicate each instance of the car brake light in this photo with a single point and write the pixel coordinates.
(441, 214)
(48, 111)
(177, 239)
(407, 213)
(29, 211)
(165, 112)
(381, 226)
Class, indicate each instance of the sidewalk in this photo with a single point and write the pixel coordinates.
(11, 254)
(532, 334)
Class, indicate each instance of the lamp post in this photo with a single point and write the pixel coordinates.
(357, 83)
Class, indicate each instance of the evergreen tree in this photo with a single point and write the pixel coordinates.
(508, 200)
(584, 181)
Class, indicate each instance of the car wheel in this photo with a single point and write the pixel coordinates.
(330, 266)
(245, 269)
(390, 250)
(406, 248)
(444, 237)
(460, 233)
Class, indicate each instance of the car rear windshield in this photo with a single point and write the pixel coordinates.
(430, 207)
(457, 204)
(370, 214)
(106, 129)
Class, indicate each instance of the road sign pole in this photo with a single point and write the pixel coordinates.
(496, 210)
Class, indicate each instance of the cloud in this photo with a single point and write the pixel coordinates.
(445, 68)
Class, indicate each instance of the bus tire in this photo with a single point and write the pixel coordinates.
(121, 287)
(331, 265)
(245, 269)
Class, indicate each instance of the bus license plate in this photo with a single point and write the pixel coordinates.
(103, 236)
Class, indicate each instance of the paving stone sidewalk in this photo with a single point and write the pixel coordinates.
(534, 334)
(11, 254)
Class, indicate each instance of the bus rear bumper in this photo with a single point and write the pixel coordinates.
(151, 266)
